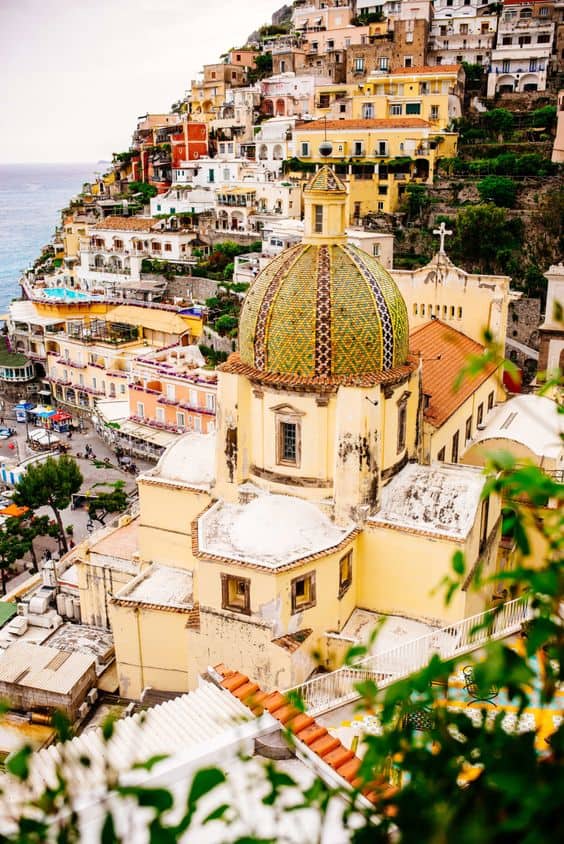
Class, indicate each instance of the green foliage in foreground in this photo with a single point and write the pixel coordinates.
(456, 781)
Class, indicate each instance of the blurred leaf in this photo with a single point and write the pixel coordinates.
(18, 763)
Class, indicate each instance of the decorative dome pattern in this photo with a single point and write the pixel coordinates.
(324, 311)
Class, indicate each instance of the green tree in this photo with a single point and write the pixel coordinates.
(105, 502)
(262, 68)
(50, 484)
(13, 547)
(30, 527)
(147, 191)
(474, 73)
(225, 324)
(499, 122)
(417, 198)
(485, 238)
(498, 189)
(544, 117)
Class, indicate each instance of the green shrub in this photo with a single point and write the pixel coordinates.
(498, 189)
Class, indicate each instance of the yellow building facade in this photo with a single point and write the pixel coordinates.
(260, 544)
(432, 93)
(377, 158)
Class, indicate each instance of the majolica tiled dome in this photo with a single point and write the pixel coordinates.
(324, 311)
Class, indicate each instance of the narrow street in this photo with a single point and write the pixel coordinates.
(94, 473)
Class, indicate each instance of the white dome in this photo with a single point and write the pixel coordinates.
(189, 460)
(283, 526)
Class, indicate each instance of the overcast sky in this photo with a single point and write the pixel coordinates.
(75, 74)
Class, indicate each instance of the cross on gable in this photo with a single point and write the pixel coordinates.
(442, 231)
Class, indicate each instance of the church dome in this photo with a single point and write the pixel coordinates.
(324, 310)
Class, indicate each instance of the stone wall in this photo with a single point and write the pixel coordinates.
(220, 344)
(192, 288)
(524, 318)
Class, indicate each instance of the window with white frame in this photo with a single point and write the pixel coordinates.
(160, 414)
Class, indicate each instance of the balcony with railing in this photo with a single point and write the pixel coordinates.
(337, 688)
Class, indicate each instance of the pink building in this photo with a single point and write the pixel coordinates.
(170, 390)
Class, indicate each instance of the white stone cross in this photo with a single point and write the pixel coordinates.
(442, 231)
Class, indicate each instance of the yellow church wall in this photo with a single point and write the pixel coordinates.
(388, 432)
(165, 526)
(234, 442)
(401, 569)
(469, 303)
(246, 645)
(246, 640)
(435, 439)
(151, 649)
(95, 584)
(314, 461)
(270, 593)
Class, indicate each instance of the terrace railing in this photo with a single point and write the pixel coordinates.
(328, 691)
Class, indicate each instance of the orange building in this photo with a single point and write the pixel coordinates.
(170, 390)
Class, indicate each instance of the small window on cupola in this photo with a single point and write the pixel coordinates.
(318, 219)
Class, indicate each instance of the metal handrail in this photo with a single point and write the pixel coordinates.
(327, 691)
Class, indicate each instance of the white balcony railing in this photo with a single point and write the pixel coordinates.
(328, 691)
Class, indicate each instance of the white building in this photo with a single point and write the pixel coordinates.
(248, 205)
(183, 199)
(272, 142)
(462, 30)
(113, 253)
(210, 172)
(520, 60)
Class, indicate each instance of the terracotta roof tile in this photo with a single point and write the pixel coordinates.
(285, 713)
(235, 365)
(383, 123)
(436, 68)
(292, 641)
(307, 731)
(274, 701)
(325, 745)
(300, 722)
(311, 734)
(338, 757)
(246, 691)
(126, 224)
(445, 352)
(349, 771)
(234, 681)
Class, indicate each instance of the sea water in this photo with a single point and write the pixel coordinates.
(31, 197)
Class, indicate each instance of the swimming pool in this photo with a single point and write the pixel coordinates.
(64, 293)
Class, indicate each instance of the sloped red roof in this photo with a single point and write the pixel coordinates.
(445, 353)
(305, 729)
(384, 123)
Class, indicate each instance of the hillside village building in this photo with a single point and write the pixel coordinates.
(463, 30)
(260, 543)
(432, 93)
(377, 157)
(525, 36)
(112, 255)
